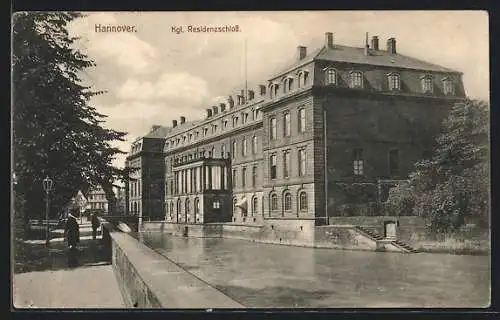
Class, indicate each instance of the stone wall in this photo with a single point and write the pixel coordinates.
(150, 280)
(342, 237)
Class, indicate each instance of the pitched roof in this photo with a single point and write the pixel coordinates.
(357, 55)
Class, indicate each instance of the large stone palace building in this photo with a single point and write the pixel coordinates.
(319, 139)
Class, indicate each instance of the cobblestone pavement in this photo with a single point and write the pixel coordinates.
(46, 281)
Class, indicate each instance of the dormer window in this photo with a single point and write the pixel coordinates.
(394, 81)
(356, 79)
(331, 76)
(448, 86)
(235, 121)
(224, 124)
(190, 137)
(197, 133)
(303, 77)
(426, 84)
(276, 88)
(205, 132)
(184, 139)
(287, 84)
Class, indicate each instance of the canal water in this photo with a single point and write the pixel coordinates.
(273, 276)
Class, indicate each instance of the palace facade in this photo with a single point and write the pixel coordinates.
(321, 138)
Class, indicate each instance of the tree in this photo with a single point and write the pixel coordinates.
(452, 187)
(56, 130)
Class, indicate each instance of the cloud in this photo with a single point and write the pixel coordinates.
(124, 49)
(181, 88)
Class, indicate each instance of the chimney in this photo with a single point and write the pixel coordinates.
(240, 99)
(230, 101)
(367, 46)
(155, 127)
(174, 123)
(301, 52)
(391, 45)
(262, 89)
(215, 110)
(222, 107)
(251, 94)
(183, 120)
(375, 43)
(209, 113)
(329, 40)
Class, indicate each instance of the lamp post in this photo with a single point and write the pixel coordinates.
(47, 186)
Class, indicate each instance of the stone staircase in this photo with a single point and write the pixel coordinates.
(397, 243)
(404, 246)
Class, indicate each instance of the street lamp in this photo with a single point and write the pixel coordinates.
(47, 186)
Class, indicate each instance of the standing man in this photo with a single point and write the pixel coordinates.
(72, 232)
(95, 225)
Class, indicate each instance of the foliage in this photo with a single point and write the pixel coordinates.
(56, 131)
(452, 188)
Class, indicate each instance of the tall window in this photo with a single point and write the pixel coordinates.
(271, 91)
(276, 88)
(427, 84)
(303, 201)
(331, 77)
(213, 151)
(244, 147)
(286, 124)
(235, 121)
(255, 206)
(272, 123)
(197, 209)
(223, 151)
(287, 201)
(448, 87)
(302, 162)
(273, 166)
(172, 210)
(394, 81)
(300, 79)
(356, 79)
(290, 84)
(254, 145)
(305, 77)
(234, 178)
(187, 210)
(302, 120)
(393, 162)
(234, 149)
(274, 202)
(358, 162)
(235, 202)
(286, 163)
(254, 176)
(243, 177)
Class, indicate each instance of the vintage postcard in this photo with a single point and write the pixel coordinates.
(206, 160)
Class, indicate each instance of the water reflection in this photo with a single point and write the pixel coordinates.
(266, 276)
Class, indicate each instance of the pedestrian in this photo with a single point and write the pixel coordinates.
(95, 225)
(72, 232)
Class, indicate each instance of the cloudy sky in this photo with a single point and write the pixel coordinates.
(154, 75)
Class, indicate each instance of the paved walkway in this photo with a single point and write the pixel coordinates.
(45, 281)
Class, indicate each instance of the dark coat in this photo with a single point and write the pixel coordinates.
(95, 221)
(72, 231)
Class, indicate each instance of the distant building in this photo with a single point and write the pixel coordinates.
(97, 201)
(77, 205)
(121, 201)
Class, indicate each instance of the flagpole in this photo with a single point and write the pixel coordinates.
(246, 78)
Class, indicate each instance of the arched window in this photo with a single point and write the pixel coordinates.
(213, 151)
(187, 210)
(271, 90)
(197, 209)
(255, 206)
(178, 210)
(427, 84)
(235, 201)
(286, 124)
(394, 81)
(300, 78)
(331, 76)
(302, 201)
(274, 202)
(276, 88)
(272, 124)
(302, 120)
(287, 201)
(356, 80)
(244, 147)
(254, 145)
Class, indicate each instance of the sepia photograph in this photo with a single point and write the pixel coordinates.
(260, 159)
